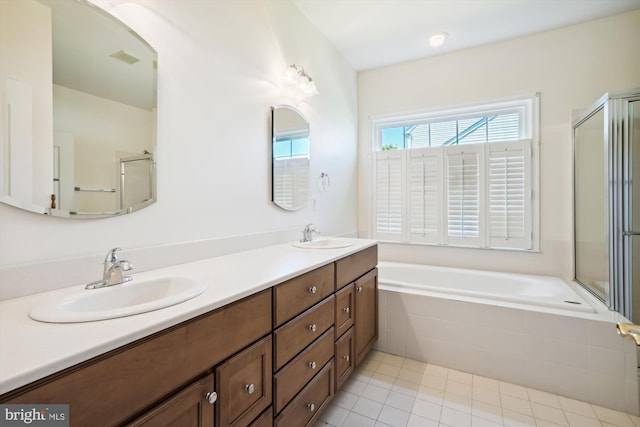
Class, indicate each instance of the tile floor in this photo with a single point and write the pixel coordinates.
(389, 390)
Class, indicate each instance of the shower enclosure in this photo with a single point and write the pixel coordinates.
(606, 156)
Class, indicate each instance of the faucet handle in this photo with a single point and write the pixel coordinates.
(125, 265)
(111, 255)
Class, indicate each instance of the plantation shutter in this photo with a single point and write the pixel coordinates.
(388, 195)
(291, 183)
(509, 194)
(424, 186)
(464, 194)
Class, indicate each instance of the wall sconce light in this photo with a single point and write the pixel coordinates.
(296, 76)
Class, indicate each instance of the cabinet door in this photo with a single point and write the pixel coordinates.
(344, 349)
(344, 310)
(243, 384)
(366, 313)
(188, 408)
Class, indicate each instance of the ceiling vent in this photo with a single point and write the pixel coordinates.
(125, 57)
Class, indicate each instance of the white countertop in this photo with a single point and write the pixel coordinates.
(30, 350)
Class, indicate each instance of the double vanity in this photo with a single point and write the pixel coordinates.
(276, 333)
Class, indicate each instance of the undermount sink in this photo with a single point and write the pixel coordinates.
(135, 297)
(324, 243)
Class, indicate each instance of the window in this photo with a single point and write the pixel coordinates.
(459, 177)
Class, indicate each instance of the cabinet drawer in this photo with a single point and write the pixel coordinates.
(243, 384)
(353, 266)
(344, 310)
(345, 361)
(290, 379)
(296, 295)
(295, 335)
(312, 400)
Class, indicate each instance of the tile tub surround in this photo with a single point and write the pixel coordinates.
(578, 357)
(388, 390)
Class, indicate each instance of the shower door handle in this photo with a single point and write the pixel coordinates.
(631, 233)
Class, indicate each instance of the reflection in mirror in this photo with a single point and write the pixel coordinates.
(289, 158)
(78, 110)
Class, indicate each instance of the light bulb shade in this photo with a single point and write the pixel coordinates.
(310, 89)
(290, 74)
(295, 75)
(302, 81)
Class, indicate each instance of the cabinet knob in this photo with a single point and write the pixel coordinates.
(313, 290)
(346, 310)
(311, 407)
(313, 327)
(211, 397)
(312, 365)
(359, 288)
(347, 358)
(249, 388)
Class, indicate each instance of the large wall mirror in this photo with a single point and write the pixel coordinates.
(290, 149)
(78, 111)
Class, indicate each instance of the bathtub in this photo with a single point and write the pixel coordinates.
(536, 331)
(539, 291)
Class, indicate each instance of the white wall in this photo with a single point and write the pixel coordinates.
(571, 67)
(219, 69)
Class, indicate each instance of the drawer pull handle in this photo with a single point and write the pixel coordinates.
(347, 358)
(346, 310)
(311, 407)
(313, 327)
(250, 388)
(211, 397)
(359, 288)
(312, 365)
(313, 289)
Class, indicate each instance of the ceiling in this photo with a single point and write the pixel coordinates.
(375, 33)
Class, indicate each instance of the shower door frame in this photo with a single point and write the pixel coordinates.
(617, 142)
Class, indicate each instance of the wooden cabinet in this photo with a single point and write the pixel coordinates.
(264, 420)
(293, 377)
(138, 375)
(366, 322)
(274, 358)
(243, 384)
(344, 309)
(345, 360)
(298, 333)
(303, 410)
(188, 408)
(355, 265)
(298, 294)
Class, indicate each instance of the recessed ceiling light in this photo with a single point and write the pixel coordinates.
(437, 39)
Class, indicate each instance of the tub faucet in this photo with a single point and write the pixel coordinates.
(307, 233)
(112, 271)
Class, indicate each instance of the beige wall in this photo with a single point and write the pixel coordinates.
(571, 67)
(20, 34)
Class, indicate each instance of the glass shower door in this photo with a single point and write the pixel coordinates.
(590, 205)
(632, 230)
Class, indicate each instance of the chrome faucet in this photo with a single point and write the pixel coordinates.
(307, 233)
(112, 271)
